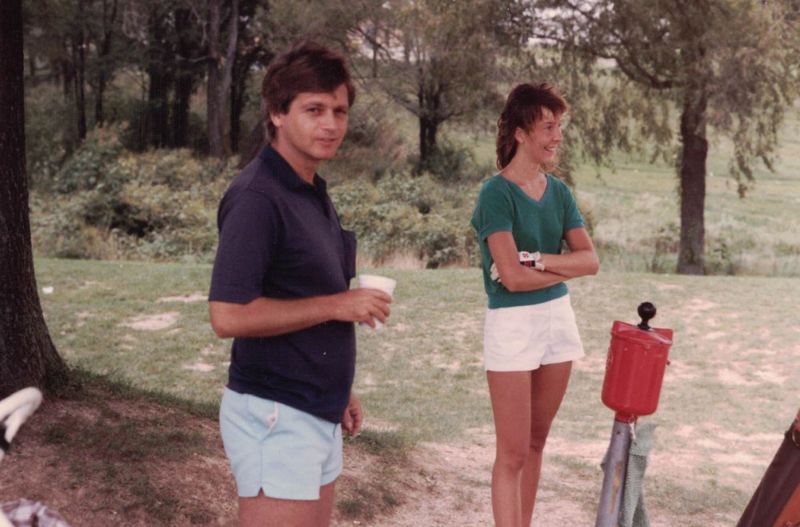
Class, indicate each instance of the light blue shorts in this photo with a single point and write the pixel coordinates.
(288, 453)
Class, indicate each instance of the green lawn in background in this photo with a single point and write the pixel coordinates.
(635, 208)
(729, 392)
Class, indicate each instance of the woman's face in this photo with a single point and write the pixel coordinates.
(540, 143)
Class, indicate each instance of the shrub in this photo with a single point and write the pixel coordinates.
(402, 214)
(665, 248)
(157, 205)
(91, 165)
(50, 132)
(450, 163)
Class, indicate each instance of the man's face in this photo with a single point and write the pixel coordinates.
(314, 126)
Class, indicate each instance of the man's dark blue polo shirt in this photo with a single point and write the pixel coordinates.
(280, 237)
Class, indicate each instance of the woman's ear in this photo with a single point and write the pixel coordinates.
(519, 135)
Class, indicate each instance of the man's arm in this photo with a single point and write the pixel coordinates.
(353, 416)
(268, 317)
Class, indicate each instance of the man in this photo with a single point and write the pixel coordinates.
(280, 288)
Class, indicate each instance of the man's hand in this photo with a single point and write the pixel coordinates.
(362, 305)
(353, 416)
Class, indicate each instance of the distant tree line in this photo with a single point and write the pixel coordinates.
(661, 75)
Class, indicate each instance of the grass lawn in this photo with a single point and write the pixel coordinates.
(727, 396)
(635, 208)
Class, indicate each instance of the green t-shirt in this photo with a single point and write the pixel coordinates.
(535, 226)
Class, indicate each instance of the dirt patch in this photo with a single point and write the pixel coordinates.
(154, 322)
(186, 299)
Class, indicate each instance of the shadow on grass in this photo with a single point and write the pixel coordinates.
(80, 378)
(114, 440)
(143, 454)
(378, 487)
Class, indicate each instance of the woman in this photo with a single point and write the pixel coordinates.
(530, 336)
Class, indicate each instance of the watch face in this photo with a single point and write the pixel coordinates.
(528, 259)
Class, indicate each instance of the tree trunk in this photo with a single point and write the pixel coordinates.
(79, 46)
(213, 106)
(184, 80)
(157, 118)
(100, 88)
(239, 93)
(67, 73)
(428, 129)
(219, 73)
(27, 355)
(157, 107)
(693, 181)
(429, 101)
(180, 110)
(238, 88)
(103, 60)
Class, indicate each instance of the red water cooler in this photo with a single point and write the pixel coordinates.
(637, 358)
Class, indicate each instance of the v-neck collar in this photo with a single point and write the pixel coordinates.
(528, 196)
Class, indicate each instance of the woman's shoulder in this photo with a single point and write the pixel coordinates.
(493, 188)
(494, 183)
(557, 181)
(558, 184)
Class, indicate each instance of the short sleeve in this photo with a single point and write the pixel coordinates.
(572, 216)
(249, 231)
(494, 211)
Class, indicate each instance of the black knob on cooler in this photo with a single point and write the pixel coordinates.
(646, 311)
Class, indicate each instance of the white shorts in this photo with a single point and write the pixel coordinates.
(525, 337)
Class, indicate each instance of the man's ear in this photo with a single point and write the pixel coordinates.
(276, 119)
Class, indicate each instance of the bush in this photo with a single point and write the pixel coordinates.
(91, 166)
(402, 214)
(372, 148)
(665, 248)
(450, 163)
(158, 205)
(50, 133)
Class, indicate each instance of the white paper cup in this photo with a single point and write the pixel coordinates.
(382, 283)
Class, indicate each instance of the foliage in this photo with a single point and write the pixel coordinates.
(92, 165)
(424, 60)
(111, 204)
(730, 65)
(449, 163)
(47, 141)
(373, 146)
(402, 214)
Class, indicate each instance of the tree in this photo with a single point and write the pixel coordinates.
(252, 50)
(27, 354)
(724, 65)
(438, 60)
(220, 71)
(105, 65)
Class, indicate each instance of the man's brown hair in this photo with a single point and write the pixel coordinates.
(305, 67)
